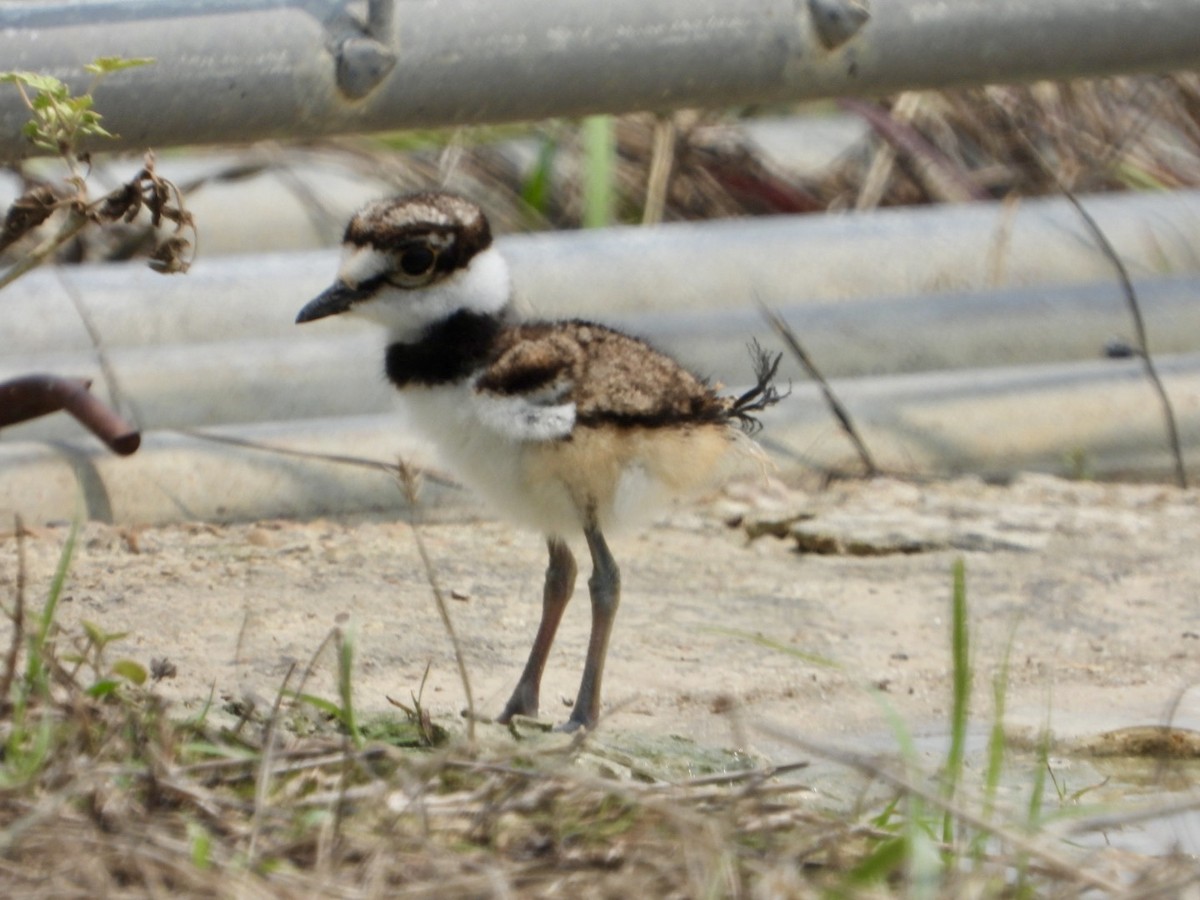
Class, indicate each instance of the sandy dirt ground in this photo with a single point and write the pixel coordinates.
(1094, 589)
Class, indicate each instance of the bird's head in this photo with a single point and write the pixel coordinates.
(410, 262)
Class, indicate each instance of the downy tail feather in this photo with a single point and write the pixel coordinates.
(763, 395)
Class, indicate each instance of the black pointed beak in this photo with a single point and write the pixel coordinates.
(333, 300)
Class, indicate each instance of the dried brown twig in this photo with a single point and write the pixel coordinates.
(336, 458)
(409, 481)
(1131, 299)
(36, 395)
(932, 167)
(147, 190)
(1143, 343)
(831, 399)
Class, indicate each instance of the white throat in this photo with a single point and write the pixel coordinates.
(483, 286)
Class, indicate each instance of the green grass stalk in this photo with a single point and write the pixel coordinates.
(36, 667)
(345, 655)
(996, 739)
(599, 164)
(960, 709)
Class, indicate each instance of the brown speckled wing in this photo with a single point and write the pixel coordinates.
(528, 364)
(610, 377)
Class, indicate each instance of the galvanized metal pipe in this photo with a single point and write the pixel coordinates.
(312, 375)
(1094, 418)
(241, 70)
(690, 267)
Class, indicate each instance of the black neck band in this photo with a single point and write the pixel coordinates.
(447, 352)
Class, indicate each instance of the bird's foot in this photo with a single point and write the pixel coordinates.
(575, 723)
(523, 702)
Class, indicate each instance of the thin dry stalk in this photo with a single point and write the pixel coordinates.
(243, 629)
(262, 783)
(409, 480)
(1135, 310)
(335, 458)
(658, 178)
(74, 223)
(116, 394)
(883, 162)
(1143, 345)
(289, 761)
(1149, 812)
(831, 399)
(1002, 240)
(941, 177)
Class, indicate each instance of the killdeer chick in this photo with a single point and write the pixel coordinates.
(566, 426)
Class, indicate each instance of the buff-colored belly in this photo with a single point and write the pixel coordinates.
(624, 476)
(613, 476)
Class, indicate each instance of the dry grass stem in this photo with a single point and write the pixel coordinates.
(409, 479)
(840, 413)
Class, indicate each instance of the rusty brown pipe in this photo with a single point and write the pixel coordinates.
(31, 396)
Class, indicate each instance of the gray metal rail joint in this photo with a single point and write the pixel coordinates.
(363, 52)
(837, 21)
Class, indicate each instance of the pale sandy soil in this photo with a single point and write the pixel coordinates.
(1095, 588)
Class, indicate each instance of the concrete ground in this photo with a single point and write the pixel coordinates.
(1092, 591)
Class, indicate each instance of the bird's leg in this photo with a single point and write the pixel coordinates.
(605, 588)
(560, 582)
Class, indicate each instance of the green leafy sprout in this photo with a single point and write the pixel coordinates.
(61, 119)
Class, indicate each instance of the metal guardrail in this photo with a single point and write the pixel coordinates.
(944, 269)
(242, 70)
(1090, 418)
(191, 383)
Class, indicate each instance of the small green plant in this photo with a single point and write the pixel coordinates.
(29, 742)
(61, 120)
(1078, 465)
(91, 654)
(34, 693)
(932, 839)
(418, 728)
(342, 710)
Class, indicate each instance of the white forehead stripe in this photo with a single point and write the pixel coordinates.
(482, 287)
(361, 264)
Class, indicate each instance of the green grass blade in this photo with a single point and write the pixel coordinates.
(200, 841)
(538, 184)
(36, 666)
(1037, 797)
(599, 155)
(996, 739)
(882, 863)
(326, 707)
(345, 653)
(960, 709)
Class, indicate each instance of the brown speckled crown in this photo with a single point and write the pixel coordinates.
(456, 225)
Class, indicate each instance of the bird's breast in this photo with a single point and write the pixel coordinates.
(615, 475)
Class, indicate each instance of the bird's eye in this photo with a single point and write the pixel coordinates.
(417, 261)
